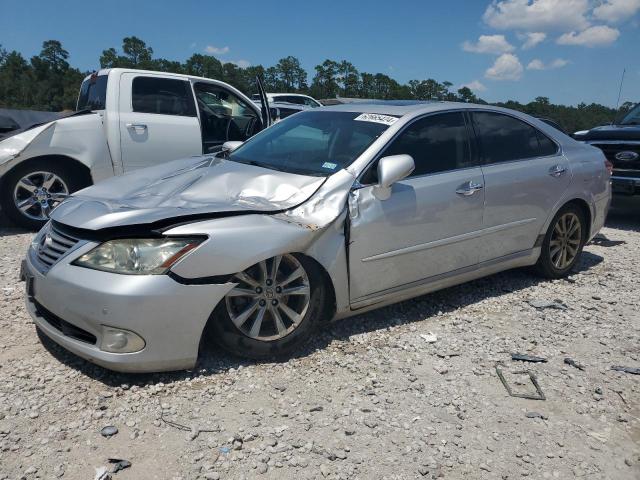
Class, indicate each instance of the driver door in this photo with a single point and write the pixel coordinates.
(429, 225)
(224, 116)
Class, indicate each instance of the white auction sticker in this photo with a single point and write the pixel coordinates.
(376, 118)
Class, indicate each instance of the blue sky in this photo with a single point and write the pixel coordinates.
(567, 50)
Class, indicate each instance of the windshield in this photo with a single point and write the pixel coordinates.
(93, 93)
(633, 117)
(313, 143)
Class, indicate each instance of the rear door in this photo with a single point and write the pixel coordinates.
(525, 177)
(158, 120)
(430, 223)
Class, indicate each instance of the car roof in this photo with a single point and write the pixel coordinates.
(289, 94)
(409, 107)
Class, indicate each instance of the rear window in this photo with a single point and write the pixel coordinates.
(93, 93)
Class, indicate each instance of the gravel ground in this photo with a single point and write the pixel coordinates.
(375, 397)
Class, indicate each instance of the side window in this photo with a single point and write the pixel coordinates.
(224, 116)
(547, 147)
(503, 138)
(310, 103)
(163, 96)
(437, 143)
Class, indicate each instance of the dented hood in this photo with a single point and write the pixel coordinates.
(193, 186)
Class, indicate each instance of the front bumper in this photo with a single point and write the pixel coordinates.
(70, 305)
(625, 185)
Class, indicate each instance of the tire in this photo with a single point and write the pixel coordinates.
(268, 341)
(63, 182)
(551, 263)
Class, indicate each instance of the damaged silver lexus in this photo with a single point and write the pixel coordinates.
(329, 213)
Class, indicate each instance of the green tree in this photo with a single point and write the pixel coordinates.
(290, 75)
(325, 82)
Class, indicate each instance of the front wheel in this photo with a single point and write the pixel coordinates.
(274, 309)
(563, 243)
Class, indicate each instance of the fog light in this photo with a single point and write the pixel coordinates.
(116, 340)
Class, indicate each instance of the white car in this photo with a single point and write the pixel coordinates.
(126, 119)
(294, 98)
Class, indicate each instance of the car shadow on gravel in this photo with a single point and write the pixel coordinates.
(7, 228)
(624, 213)
(214, 361)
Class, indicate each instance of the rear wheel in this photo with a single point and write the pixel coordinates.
(273, 310)
(563, 243)
(32, 190)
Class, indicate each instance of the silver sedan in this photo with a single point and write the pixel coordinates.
(329, 213)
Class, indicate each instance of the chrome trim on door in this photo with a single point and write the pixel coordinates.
(450, 240)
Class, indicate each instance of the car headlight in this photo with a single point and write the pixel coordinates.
(138, 256)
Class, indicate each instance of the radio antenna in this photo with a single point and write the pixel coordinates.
(624, 70)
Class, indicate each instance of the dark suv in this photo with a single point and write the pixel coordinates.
(620, 143)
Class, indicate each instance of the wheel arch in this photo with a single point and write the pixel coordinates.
(82, 170)
(330, 307)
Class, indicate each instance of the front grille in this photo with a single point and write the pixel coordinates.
(53, 245)
(623, 168)
(64, 327)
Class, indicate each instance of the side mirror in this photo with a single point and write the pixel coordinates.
(392, 169)
(275, 114)
(230, 146)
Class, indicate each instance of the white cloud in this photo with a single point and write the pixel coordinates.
(210, 49)
(537, 15)
(531, 39)
(596, 36)
(495, 44)
(613, 11)
(506, 67)
(475, 85)
(241, 63)
(537, 64)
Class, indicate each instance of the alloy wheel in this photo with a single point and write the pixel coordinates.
(565, 240)
(37, 193)
(271, 298)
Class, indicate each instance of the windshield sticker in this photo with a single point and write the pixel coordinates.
(376, 118)
(329, 165)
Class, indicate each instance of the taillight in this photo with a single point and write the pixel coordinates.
(609, 166)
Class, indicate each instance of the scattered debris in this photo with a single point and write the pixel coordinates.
(631, 370)
(536, 415)
(102, 473)
(573, 363)
(542, 304)
(109, 431)
(193, 431)
(527, 358)
(429, 338)
(119, 464)
(534, 381)
(448, 354)
(598, 390)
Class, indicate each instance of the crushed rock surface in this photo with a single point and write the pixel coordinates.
(375, 396)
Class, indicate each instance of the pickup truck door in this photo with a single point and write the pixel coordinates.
(158, 120)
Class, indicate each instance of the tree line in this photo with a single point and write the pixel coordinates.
(48, 82)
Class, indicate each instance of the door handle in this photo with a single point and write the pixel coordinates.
(469, 188)
(137, 126)
(557, 171)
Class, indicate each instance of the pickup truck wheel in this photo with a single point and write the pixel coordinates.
(563, 243)
(32, 190)
(273, 310)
